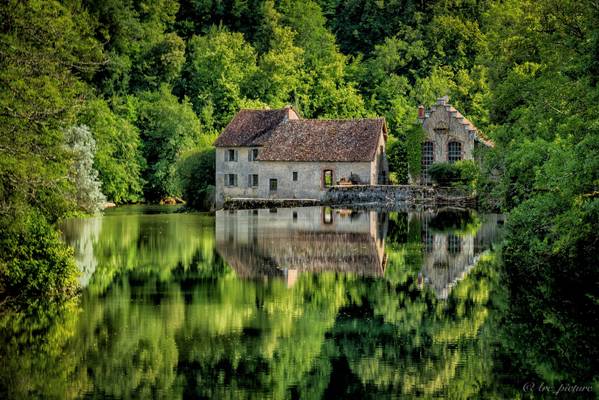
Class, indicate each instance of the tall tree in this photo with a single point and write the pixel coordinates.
(142, 50)
(82, 146)
(218, 71)
(168, 128)
(118, 156)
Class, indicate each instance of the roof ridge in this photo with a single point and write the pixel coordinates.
(339, 119)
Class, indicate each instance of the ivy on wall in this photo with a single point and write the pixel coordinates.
(404, 154)
(414, 138)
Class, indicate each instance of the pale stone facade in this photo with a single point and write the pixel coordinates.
(449, 136)
(309, 176)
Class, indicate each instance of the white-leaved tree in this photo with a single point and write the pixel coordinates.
(82, 146)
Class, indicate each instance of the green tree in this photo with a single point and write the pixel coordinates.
(84, 177)
(325, 88)
(142, 53)
(196, 171)
(218, 71)
(279, 65)
(46, 48)
(168, 128)
(118, 156)
(47, 51)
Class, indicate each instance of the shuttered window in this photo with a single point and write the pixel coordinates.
(230, 180)
(253, 180)
(252, 154)
(273, 185)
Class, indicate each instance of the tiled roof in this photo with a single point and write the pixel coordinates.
(251, 127)
(324, 140)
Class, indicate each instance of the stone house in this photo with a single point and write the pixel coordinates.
(449, 137)
(274, 154)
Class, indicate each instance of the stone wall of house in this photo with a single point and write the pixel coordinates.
(310, 177)
(242, 168)
(379, 163)
(443, 126)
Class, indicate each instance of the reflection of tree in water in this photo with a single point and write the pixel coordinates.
(83, 235)
(36, 358)
(182, 324)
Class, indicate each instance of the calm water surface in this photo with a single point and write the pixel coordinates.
(304, 302)
(286, 303)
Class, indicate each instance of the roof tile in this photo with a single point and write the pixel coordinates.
(251, 127)
(324, 140)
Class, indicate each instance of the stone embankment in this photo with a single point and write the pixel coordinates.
(398, 195)
(249, 203)
(371, 196)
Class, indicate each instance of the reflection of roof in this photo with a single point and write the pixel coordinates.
(251, 127)
(324, 140)
(304, 251)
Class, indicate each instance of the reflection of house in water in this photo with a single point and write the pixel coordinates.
(288, 241)
(449, 255)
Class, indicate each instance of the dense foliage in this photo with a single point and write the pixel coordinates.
(196, 172)
(156, 80)
(461, 174)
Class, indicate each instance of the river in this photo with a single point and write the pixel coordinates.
(285, 303)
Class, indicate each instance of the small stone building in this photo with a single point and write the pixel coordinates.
(449, 137)
(274, 154)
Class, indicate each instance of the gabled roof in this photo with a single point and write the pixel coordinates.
(251, 127)
(324, 140)
(468, 126)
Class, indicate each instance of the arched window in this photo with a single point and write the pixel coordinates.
(428, 156)
(454, 244)
(454, 151)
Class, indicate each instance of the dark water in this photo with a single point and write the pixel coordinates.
(288, 303)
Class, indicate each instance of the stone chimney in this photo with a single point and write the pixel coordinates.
(421, 112)
(443, 101)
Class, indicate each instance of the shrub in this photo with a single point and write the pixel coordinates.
(469, 174)
(196, 172)
(462, 174)
(34, 263)
(444, 174)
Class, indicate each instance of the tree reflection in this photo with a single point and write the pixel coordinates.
(166, 314)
